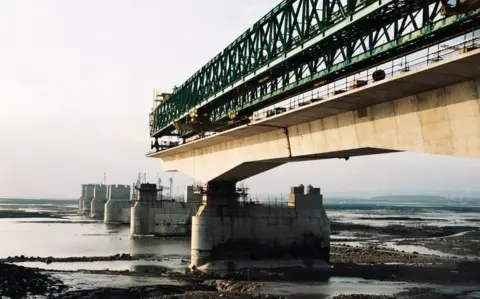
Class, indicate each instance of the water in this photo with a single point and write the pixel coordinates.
(423, 250)
(432, 217)
(344, 285)
(69, 239)
(336, 286)
(79, 236)
(103, 265)
(85, 281)
(76, 236)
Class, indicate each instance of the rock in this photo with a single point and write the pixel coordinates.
(17, 282)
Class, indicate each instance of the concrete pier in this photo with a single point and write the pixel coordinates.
(81, 200)
(98, 202)
(150, 216)
(227, 233)
(191, 197)
(88, 197)
(117, 208)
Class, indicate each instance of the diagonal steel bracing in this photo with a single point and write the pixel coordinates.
(301, 44)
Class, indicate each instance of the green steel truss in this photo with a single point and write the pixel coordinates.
(300, 43)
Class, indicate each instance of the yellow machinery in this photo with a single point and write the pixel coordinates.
(461, 7)
(200, 122)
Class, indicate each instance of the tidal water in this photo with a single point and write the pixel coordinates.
(47, 237)
(76, 236)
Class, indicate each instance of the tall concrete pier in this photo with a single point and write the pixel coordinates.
(98, 202)
(81, 200)
(87, 200)
(150, 216)
(117, 208)
(227, 233)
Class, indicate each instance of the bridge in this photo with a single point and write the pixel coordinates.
(315, 80)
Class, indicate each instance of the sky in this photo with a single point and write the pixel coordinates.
(76, 84)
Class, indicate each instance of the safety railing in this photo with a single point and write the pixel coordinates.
(395, 67)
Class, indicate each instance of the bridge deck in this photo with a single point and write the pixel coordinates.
(436, 75)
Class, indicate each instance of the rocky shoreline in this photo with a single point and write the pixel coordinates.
(20, 282)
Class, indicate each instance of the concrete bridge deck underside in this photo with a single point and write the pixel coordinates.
(432, 110)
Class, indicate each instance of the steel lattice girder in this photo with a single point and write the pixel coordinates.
(301, 42)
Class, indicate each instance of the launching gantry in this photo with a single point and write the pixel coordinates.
(460, 7)
(197, 122)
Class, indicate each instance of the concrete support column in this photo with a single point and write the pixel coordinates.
(89, 193)
(141, 220)
(150, 216)
(81, 200)
(98, 202)
(227, 233)
(117, 208)
(219, 194)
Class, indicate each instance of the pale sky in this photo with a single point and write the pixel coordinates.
(76, 82)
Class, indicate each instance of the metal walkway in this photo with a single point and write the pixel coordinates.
(301, 45)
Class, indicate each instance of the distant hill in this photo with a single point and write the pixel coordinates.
(409, 197)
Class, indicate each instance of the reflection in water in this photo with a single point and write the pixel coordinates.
(82, 281)
(423, 250)
(79, 239)
(344, 285)
(106, 265)
(336, 286)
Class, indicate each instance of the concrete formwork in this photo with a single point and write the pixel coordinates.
(150, 216)
(117, 208)
(231, 235)
(98, 201)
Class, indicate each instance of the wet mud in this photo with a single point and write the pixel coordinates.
(376, 255)
(467, 243)
(20, 282)
(424, 231)
(346, 262)
(451, 240)
(414, 293)
(163, 291)
(368, 262)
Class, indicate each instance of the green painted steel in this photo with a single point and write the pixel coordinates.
(300, 43)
